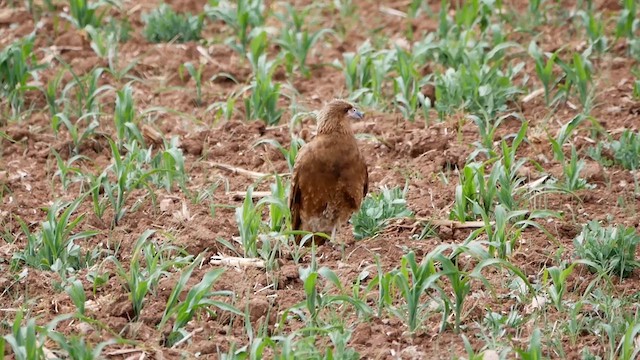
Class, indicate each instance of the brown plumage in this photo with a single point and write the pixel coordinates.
(330, 176)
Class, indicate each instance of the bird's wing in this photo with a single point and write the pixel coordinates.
(295, 195)
(366, 181)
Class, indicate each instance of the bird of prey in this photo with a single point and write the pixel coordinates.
(330, 177)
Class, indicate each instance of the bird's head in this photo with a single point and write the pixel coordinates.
(335, 116)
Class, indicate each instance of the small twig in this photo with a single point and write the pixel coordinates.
(239, 171)
(124, 352)
(393, 12)
(187, 337)
(454, 224)
(240, 195)
(236, 261)
(534, 94)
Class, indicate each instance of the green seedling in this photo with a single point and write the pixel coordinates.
(262, 103)
(409, 97)
(124, 118)
(595, 31)
(51, 93)
(75, 290)
(54, 247)
(534, 350)
(316, 301)
(199, 296)
(27, 342)
(129, 174)
(66, 169)
(365, 72)
(249, 220)
(571, 169)
(241, 16)
(18, 65)
(78, 137)
(84, 13)
(626, 150)
(412, 281)
(169, 167)
(628, 21)
(544, 69)
(578, 74)
(610, 250)
(164, 25)
(296, 45)
(503, 234)
(377, 210)
(196, 75)
(557, 288)
(76, 347)
(289, 154)
(141, 280)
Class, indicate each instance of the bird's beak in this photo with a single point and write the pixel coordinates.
(357, 115)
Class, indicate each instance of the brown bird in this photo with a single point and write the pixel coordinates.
(330, 176)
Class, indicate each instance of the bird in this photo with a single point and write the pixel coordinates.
(330, 176)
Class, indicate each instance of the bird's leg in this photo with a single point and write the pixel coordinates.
(333, 234)
(333, 240)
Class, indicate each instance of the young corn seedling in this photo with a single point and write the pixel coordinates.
(198, 297)
(77, 137)
(289, 154)
(66, 169)
(365, 73)
(296, 44)
(18, 65)
(51, 93)
(75, 290)
(534, 351)
(169, 165)
(103, 42)
(87, 92)
(262, 103)
(610, 250)
(27, 342)
(277, 205)
(595, 31)
(316, 301)
(164, 25)
(377, 210)
(128, 176)
(535, 10)
(84, 13)
(412, 281)
(409, 96)
(578, 73)
(544, 69)
(249, 220)
(124, 117)
(141, 280)
(571, 169)
(504, 233)
(54, 247)
(77, 348)
(480, 85)
(196, 75)
(628, 347)
(558, 275)
(241, 16)
(628, 21)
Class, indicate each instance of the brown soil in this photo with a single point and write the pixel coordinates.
(414, 152)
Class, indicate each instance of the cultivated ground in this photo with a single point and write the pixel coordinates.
(494, 132)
